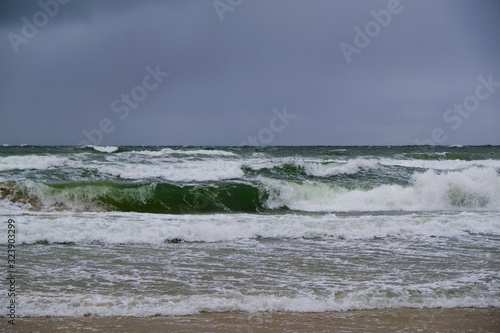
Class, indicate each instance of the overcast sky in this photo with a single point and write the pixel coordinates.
(285, 72)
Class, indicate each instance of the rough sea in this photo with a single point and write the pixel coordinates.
(140, 231)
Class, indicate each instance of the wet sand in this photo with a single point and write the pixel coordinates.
(387, 320)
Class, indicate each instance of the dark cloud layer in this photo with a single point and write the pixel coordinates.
(226, 77)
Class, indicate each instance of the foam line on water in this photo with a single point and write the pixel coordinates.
(156, 229)
(439, 164)
(141, 306)
(27, 162)
(170, 151)
(186, 171)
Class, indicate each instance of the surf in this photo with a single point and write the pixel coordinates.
(473, 188)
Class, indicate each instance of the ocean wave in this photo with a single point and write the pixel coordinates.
(470, 189)
(184, 152)
(105, 149)
(185, 171)
(442, 156)
(296, 167)
(28, 162)
(123, 228)
(382, 297)
(347, 168)
(454, 164)
(160, 198)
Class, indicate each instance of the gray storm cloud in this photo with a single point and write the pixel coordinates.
(352, 72)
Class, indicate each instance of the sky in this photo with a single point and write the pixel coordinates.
(256, 72)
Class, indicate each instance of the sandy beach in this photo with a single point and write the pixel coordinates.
(387, 320)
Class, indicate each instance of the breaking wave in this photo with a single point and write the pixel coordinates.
(470, 189)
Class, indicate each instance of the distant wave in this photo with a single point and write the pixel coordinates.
(350, 167)
(105, 149)
(27, 162)
(170, 151)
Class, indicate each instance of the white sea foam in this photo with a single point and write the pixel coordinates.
(315, 167)
(78, 305)
(105, 149)
(440, 165)
(330, 169)
(170, 151)
(156, 229)
(470, 189)
(165, 165)
(9, 208)
(26, 162)
(176, 171)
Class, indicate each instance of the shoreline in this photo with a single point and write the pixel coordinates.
(378, 320)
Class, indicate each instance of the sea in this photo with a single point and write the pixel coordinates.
(148, 230)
